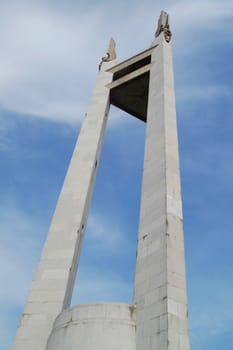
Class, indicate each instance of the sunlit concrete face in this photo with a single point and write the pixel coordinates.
(100, 326)
(52, 285)
(160, 287)
(157, 319)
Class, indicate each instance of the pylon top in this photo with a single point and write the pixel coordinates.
(164, 26)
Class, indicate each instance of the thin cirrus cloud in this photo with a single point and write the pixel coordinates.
(49, 56)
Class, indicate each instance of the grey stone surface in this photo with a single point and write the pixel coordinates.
(160, 288)
(53, 282)
(100, 326)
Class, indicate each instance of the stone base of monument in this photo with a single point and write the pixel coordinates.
(99, 326)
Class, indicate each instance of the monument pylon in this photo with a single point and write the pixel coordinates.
(157, 318)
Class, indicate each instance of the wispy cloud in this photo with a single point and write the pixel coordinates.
(202, 14)
(50, 56)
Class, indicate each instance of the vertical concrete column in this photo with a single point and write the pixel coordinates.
(52, 286)
(160, 286)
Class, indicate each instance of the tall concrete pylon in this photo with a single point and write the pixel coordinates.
(157, 318)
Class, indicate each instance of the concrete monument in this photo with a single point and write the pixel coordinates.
(157, 318)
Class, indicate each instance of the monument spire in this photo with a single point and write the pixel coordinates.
(143, 86)
(111, 53)
(164, 26)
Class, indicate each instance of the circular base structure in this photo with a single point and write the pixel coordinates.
(100, 326)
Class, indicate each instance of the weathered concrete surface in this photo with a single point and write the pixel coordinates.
(160, 287)
(53, 283)
(101, 326)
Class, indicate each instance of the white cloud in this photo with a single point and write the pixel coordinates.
(201, 14)
(43, 60)
(49, 57)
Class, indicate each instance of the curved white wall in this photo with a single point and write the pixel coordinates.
(100, 326)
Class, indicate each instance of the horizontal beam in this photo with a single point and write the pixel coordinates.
(132, 60)
(130, 76)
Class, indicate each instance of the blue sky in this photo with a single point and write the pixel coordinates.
(50, 51)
